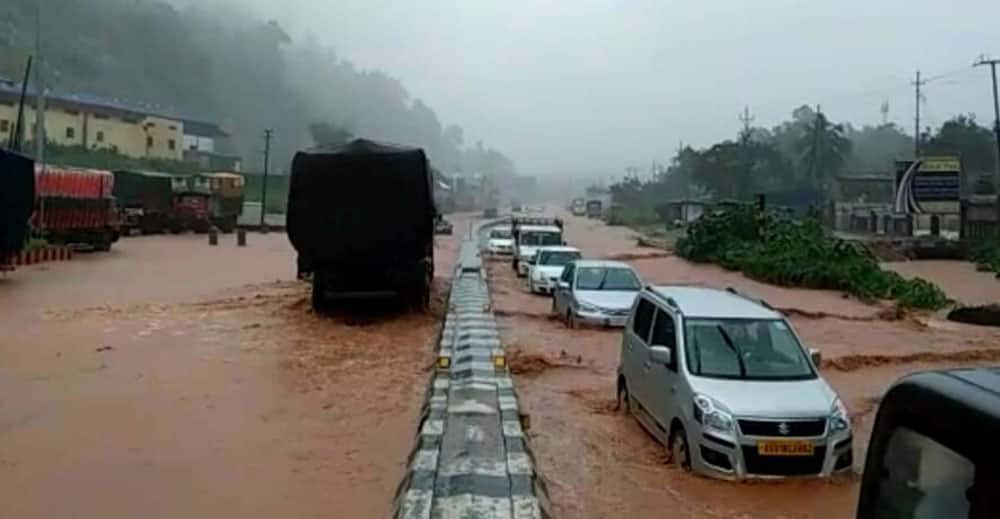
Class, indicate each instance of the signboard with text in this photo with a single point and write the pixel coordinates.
(931, 185)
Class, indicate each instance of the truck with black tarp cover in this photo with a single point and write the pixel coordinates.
(361, 217)
(17, 202)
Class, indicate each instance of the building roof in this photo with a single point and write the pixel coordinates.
(11, 90)
(712, 302)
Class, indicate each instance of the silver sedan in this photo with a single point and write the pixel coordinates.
(596, 292)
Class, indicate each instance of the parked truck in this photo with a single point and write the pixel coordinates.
(579, 207)
(595, 209)
(226, 202)
(361, 217)
(75, 206)
(17, 201)
(146, 199)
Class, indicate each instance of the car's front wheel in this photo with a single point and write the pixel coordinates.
(679, 451)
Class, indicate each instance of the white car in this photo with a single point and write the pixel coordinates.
(723, 382)
(500, 242)
(547, 266)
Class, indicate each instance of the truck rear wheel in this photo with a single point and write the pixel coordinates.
(319, 301)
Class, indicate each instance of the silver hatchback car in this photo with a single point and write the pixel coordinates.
(595, 292)
(722, 380)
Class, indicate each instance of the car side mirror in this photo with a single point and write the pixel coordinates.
(816, 356)
(661, 355)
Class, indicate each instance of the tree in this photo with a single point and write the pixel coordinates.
(876, 148)
(823, 150)
(327, 134)
(962, 136)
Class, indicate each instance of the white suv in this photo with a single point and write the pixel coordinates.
(722, 380)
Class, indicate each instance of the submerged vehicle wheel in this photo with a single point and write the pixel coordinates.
(679, 451)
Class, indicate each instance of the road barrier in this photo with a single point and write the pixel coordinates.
(471, 456)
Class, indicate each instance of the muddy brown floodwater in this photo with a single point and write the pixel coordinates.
(600, 463)
(172, 379)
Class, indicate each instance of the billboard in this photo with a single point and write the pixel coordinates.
(930, 185)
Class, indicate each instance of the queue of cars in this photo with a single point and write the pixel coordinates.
(719, 378)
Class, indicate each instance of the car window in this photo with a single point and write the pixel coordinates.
(540, 238)
(643, 320)
(603, 278)
(664, 335)
(753, 349)
(557, 258)
(923, 478)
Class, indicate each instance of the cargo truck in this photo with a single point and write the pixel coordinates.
(361, 217)
(595, 209)
(146, 199)
(579, 207)
(226, 202)
(75, 206)
(17, 201)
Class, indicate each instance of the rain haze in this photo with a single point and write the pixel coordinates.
(592, 86)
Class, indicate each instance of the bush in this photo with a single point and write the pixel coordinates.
(986, 255)
(797, 253)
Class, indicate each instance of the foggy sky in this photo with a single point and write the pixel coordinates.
(592, 86)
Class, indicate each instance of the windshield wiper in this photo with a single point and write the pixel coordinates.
(604, 278)
(739, 355)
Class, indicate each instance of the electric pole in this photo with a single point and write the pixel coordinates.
(916, 122)
(39, 91)
(263, 188)
(996, 118)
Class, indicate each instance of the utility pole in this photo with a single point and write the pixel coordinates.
(263, 188)
(996, 118)
(916, 122)
(743, 183)
(39, 91)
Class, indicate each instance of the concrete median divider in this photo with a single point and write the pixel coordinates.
(471, 457)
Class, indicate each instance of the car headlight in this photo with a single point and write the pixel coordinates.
(711, 414)
(587, 307)
(839, 419)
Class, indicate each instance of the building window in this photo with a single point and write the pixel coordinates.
(114, 148)
(150, 125)
(173, 128)
(70, 111)
(100, 136)
(4, 125)
(70, 132)
(101, 116)
(149, 142)
(172, 145)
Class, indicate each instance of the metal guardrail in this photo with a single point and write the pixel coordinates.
(471, 458)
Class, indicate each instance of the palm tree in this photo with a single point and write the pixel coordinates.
(823, 150)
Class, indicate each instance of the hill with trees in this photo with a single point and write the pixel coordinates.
(218, 64)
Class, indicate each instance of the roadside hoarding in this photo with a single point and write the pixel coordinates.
(931, 185)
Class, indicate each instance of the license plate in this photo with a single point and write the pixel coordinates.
(785, 448)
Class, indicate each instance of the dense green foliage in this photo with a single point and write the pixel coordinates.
(214, 63)
(110, 160)
(797, 160)
(797, 253)
(986, 254)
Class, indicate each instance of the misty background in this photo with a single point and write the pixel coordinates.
(585, 88)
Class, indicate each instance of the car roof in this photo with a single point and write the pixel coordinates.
(537, 228)
(712, 302)
(558, 248)
(598, 263)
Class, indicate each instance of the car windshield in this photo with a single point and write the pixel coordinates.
(605, 278)
(557, 258)
(752, 349)
(500, 234)
(540, 238)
